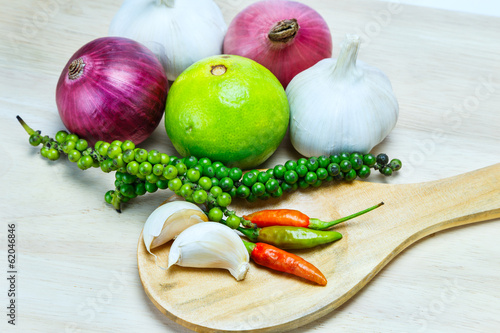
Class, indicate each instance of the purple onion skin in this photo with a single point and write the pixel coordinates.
(247, 36)
(120, 95)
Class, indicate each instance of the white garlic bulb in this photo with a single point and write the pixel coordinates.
(340, 105)
(178, 32)
(167, 221)
(210, 245)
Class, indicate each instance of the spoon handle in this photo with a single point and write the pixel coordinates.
(451, 202)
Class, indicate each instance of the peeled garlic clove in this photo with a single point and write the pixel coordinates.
(168, 221)
(210, 245)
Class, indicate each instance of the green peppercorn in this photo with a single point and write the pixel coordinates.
(344, 156)
(386, 171)
(215, 191)
(127, 190)
(291, 177)
(141, 155)
(60, 136)
(154, 157)
(258, 189)
(140, 189)
(303, 184)
(108, 197)
(301, 170)
(35, 140)
(215, 214)
(333, 169)
(382, 159)
(200, 196)
(215, 181)
(321, 173)
(345, 166)
(181, 168)
(356, 162)
(145, 168)
(395, 164)
(193, 175)
(152, 178)
(279, 171)
(205, 183)
(290, 165)
(221, 172)
(335, 159)
(243, 191)
(351, 175)
(209, 171)
(312, 164)
(278, 193)
(186, 190)
(323, 161)
(369, 160)
(190, 161)
(302, 161)
(233, 221)
(364, 172)
(158, 169)
(174, 184)
(272, 185)
(249, 179)
(263, 177)
(226, 184)
(224, 199)
(204, 161)
(235, 174)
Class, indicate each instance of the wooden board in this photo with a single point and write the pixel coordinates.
(410, 213)
(78, 258)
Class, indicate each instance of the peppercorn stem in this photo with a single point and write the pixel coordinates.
(116, 201)
(322, 225)
(28, 129)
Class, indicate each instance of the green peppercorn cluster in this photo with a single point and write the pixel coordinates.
(200, 180)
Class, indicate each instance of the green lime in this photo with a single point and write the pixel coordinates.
(229, 109)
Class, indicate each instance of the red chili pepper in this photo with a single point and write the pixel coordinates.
(294, 218)
(279, 260)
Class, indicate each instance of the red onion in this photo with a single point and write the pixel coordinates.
(112, 88)
(284, 36)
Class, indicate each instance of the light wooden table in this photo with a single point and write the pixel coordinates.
(76, 257)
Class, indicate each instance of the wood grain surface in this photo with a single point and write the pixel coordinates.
(369, 242)
(76, 257)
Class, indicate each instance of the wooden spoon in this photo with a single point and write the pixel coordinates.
(210, 300)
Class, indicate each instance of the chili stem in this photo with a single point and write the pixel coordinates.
(322, 225)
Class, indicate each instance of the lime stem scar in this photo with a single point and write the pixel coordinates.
(218, 70)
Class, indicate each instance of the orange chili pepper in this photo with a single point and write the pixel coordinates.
(294, 218)
(279, 260)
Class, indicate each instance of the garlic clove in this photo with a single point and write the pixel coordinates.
(210, 245)
(177, 223)
(168, 221)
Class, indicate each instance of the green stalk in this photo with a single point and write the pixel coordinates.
(28, 129)
(250, 233)
(322, 225)
(249, 246)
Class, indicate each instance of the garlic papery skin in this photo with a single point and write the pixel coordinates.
(179, 32)
(210, 245)
(168, 220)
(341, 105)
